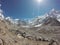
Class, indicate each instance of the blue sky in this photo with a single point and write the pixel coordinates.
(26, 9)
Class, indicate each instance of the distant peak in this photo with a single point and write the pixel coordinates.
(1, 13)
(53, 9)
(16, 19)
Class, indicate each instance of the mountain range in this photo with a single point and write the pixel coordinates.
(53, 17)
(41, 30)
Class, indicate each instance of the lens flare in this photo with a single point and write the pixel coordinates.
(39, 1)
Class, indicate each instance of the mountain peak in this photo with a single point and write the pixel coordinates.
(53, 13)
(1, 13)
(51, 21)
(53, 10)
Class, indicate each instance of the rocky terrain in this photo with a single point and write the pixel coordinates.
(39, 32)
(30, 36)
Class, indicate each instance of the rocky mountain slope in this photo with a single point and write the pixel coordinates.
(51, 21)
(53, 17)
(44, 31)
(22, 36)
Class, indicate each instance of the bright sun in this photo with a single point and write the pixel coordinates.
(39, 1)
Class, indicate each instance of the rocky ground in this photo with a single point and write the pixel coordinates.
(14, 35)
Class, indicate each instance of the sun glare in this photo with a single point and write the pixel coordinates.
(39, 1)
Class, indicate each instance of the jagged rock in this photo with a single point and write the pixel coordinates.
(39, 38)
(29, 37)
(53, 42)
(1, 42)
(19, 36)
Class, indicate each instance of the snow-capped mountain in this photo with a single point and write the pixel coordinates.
(53, 15)
(1, 15)
(37, 20)
(58, 17)
(17, 22)
(11, 20)
(20, 22)
(49, 18)
(51, 22)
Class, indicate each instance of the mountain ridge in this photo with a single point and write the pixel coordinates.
(38, 32)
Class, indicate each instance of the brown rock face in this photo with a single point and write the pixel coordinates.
(1, 42)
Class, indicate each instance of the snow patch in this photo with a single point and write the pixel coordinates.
(1, 15)
(38, 25)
